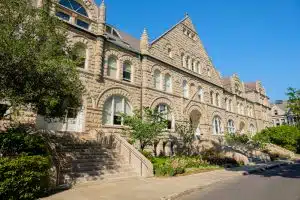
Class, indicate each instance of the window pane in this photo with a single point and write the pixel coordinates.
(168, 83)
(107, 112)
(63, 16)
(112, 67)
(157, 79)
(119, 108)
(73, 5)
(82, 24)
(127, 71)
(127, 108)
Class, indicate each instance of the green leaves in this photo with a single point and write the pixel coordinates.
(294, 102)
(35, 60)
(145, 128)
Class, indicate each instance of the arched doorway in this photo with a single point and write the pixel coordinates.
(242, 128)
(195, 117)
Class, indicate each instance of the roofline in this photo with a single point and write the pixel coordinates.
(169, 30)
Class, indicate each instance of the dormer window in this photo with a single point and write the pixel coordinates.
(170, 53)
(112, 32)
(66, 9)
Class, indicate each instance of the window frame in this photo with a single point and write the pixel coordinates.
(110, 68)
(127, 65)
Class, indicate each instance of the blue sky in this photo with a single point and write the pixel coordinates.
(258, 40)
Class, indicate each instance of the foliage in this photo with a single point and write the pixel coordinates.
(19, 140)
(147, 154)
(165, 166)
(232, 138)
(287, 137)
(146, 127)
(25, 177)
(186, 136)
(294, 103)
(36, 66)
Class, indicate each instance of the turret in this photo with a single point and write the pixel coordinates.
(144, 43)
(102, 17)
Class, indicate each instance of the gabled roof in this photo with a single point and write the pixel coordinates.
(161, 36)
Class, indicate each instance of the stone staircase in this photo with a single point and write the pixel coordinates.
(80, 160)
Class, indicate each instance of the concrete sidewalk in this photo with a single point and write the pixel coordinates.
(152, 188)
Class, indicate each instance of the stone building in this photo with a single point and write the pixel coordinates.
(282, 114)
(172, 73)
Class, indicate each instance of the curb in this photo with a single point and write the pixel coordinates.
(259, 169)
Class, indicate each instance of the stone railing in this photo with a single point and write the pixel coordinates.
(137, 160)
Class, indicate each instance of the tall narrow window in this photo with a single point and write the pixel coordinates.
(212, 98)
(187, 62)
(157, 78)
(200, 94)
(164, 110)
(185, 89)
(208, 72)
(79, 54)
(217, 99)
(193, 65)
(168, 83)
(252, 129)
(112, 67)
(183, 60)
(217, 126)
(230, 126)
(198, 68)
(230, 105)
(113, 109)
(127, 71)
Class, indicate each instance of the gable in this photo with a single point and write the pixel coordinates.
(181, 46)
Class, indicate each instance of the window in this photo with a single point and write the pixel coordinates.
(74, 6)
(79, 54)
(230, 105)
(113, 108)
(127, 71)
(275, 112)
(208, 72)
(198, 68)
(165, 111)
(187, 65)
(218, 99)
(217, 126)
(185, 89)
(252, 129)
(82, 24)
(63, 16)
(170, 53)
(212, 99)
(193, 67)
(157, 77)
(183, 60)
(168, 83)
(242, 109)
(230, 126)
(112, 67)
(200, 94)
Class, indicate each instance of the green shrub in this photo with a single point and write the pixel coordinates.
(147, 154)
(287, 137)
(19, 140)
(232, 139)
(24, 177)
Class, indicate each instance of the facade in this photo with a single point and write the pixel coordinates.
(172, 73)
(281, 114)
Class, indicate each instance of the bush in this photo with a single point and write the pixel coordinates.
(24, 177)
(233, 139)
(287, 137)
(216, 158)
(164, 166)
(147, 154)
(19, 140)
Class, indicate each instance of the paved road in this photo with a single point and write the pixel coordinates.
(281, 183)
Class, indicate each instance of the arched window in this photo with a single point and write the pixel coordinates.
(168, 83)
(113, 108)
(230, 126)
(200, 94)
(198, 68)
(185, 89)
(252, 129)
(157, 79)
(127, 71)
(217, 126)
(75, 7)
(112, 67)
(217, 99)
(193, 65)
(212, 98)
(230, 105)
(188, 62)
(79, 54)
(183, 60)
(208, 72)
(166, 114)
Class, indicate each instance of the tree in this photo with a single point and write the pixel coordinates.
(36, 67)
(145, 127)
(294, 103)
(186, 134)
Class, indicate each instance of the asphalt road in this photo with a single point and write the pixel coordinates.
(282, 183)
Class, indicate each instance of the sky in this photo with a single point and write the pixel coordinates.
(258, 40)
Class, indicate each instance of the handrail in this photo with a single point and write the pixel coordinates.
(134, 151)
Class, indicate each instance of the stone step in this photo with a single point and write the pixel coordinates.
(103, 168)
(106, 177)
(99, 159)
(102, 175)
(98, 163)
(81, 157)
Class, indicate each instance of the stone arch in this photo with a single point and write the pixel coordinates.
(133, 63)
(199, 109)
(164, 100)
(114, 91)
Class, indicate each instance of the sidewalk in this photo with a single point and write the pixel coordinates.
(151, 188)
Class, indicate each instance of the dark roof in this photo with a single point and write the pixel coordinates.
(132, 41)
(250, 86)
(283, 105)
